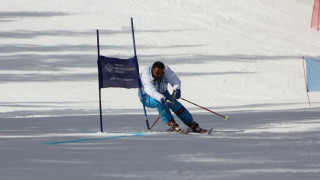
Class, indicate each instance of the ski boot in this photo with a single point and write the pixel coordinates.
(173, 126)
(194, 126)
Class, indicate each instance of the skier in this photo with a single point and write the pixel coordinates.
(155, 79)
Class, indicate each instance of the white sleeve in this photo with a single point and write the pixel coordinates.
(147, 82)
(172, 77)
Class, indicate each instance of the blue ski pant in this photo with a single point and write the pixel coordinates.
(177, 108)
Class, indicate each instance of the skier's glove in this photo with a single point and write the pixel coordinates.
(167, 102)
(176, 94)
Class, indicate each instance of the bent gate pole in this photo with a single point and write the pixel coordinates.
(139, 81)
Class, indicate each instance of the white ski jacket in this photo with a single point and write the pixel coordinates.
(154, 88)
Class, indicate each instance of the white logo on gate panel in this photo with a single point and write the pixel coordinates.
(109, 67)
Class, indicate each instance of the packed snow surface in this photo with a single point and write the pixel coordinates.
(241, 58)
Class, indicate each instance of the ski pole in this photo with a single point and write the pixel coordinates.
(157, 119)
(225, 117)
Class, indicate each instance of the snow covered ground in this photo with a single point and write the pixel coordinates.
(241, 58)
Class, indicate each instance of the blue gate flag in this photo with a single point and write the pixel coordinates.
(313, 74)
(114, 72)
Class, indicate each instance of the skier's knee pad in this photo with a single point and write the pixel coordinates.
(180, 111)
(184, 115)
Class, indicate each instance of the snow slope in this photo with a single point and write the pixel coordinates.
(229, 54)
(241, 58)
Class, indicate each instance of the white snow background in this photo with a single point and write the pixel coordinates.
(240, 58)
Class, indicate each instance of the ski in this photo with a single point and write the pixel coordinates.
(189, 131)
(203, 131)
(207, 131)
(186, 131)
